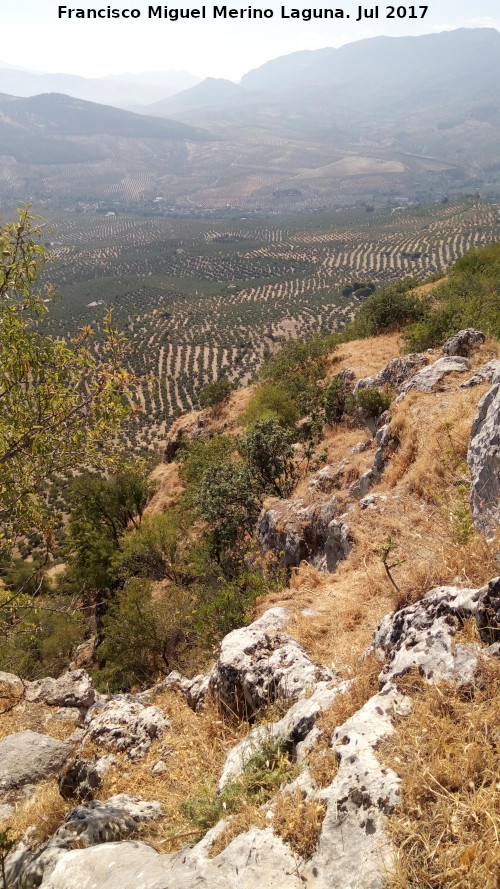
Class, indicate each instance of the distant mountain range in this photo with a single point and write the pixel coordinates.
(385, 119)
(130, 91)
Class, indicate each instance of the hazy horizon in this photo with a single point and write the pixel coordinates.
(35, 38)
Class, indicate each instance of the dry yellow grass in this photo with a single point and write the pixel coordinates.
(447, 752)
(44, 810)
(38, 718)
(249, 816)
(193, 750)
(298, 821)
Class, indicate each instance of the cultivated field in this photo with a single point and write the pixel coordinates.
(201, 298)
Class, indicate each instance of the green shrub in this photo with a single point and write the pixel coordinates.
(215, 393)
(263, 774)
(335, 400)
(143, 637)
(227, 502)
(268, 452)
(390, 308)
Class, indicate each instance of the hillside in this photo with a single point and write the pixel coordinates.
(122, 91)
(407, 533)
(344, 132)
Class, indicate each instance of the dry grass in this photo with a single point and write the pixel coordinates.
(447, 752)
(249, 816)
(298, 821)
(322, 760)
(38, 718)
(45, 809)
(194, 751)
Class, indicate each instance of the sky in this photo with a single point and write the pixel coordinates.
(34, 36)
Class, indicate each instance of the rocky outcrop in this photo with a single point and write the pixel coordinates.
(296, 532)
(72, 689)
(483, 459)
(395, 373)
(82, 778)
(360, 488)
(326, 479)
(85, 826)
(291, 731)
(463, 342)
(484, 374)
(259, 664)
(123, 723)
(429, 377)
(422, 635)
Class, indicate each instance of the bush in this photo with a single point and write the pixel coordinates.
(268, 452)
(389, 309)
(227, 501)
(335, 400)
(143, 637)
(368, 405)
(215, 393)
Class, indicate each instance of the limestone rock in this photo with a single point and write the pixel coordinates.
(484, 374)
(484, 461)
(360, 488)
(326, 479)
(28, 757)
(296, 532)
(89, 825)
(72, 689)
(258, 664)
(125, 724)
(463, 342)
(427, 378)
(421, 635)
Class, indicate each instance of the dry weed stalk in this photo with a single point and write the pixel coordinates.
(298, 821)
(447, 752)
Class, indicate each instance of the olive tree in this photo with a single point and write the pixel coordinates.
(60, 407)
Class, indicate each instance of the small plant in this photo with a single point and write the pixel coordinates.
(384, 551)
(6, 846)
(263, 774)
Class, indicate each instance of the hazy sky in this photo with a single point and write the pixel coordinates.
(32, 35)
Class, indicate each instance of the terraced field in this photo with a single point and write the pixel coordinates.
(198, 298)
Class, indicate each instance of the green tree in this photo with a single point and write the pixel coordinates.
(227, 502)
(59, 406)
(268, 452)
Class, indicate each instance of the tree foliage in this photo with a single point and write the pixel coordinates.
(59, 407)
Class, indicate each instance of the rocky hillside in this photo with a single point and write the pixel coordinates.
(347, 736)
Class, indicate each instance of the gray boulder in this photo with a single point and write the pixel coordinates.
(85, 826)
(28, 757)
(484, 374)
(483, 458)
(360, 488)
(422, 635)
(258, 664)
(463, 342)
(296, 532)
(123, 723)
(72, 689)
(429, 377)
